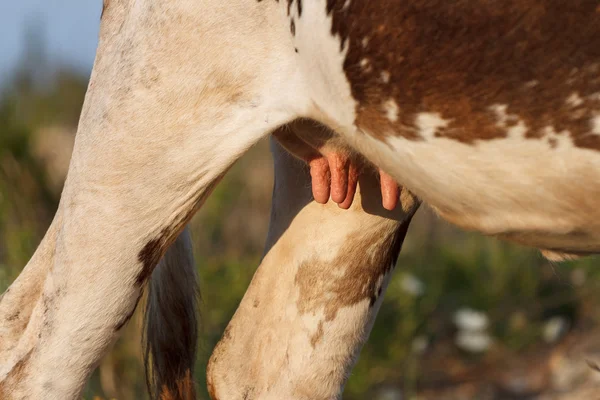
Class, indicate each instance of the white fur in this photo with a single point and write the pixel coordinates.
(503, 118)
(385, 76)
(182, 89)
(428, 124)
(391, 110)
(158, 127)
(574, 100)
(321, 63)
(596, 125)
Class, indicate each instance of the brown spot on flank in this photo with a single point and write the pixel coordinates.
(353, 276)
(458, 58)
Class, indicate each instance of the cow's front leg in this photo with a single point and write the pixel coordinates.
(172, 103)
(312, 302)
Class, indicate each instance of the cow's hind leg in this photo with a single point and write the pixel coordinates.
(120, 212)
(312, 302)
(171, 104)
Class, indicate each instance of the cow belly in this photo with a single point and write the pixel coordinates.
(522, 189)
(496, 138)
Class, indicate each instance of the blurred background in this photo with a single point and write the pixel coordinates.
(466, 317)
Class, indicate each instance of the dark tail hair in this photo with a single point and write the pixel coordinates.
(170, 332)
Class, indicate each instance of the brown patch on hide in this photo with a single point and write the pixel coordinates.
(15, 376)
(289, 6)
(163, 378)
(376, 122)
(185, 389)
(352, 276)
(150, 255)
(314, 339)
(458, 58)
(153, 250)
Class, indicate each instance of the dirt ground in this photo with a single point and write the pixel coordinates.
(569, 370)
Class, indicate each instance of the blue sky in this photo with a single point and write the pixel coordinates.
(70, 28)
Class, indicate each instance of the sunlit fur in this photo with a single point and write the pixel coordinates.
(181, 89)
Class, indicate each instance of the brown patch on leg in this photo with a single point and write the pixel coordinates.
(154, 249)
(149, 256)
(363, 260)
(163, 358)
(314, 339)
(15, 376)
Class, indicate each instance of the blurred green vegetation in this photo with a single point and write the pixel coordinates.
(413, 344)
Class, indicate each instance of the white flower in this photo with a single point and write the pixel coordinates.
(389, 393)
(419, 344)
(473, 341)
(470, 320)
(554, 329)
(412, 285)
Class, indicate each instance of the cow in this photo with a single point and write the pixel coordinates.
(487, 111)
